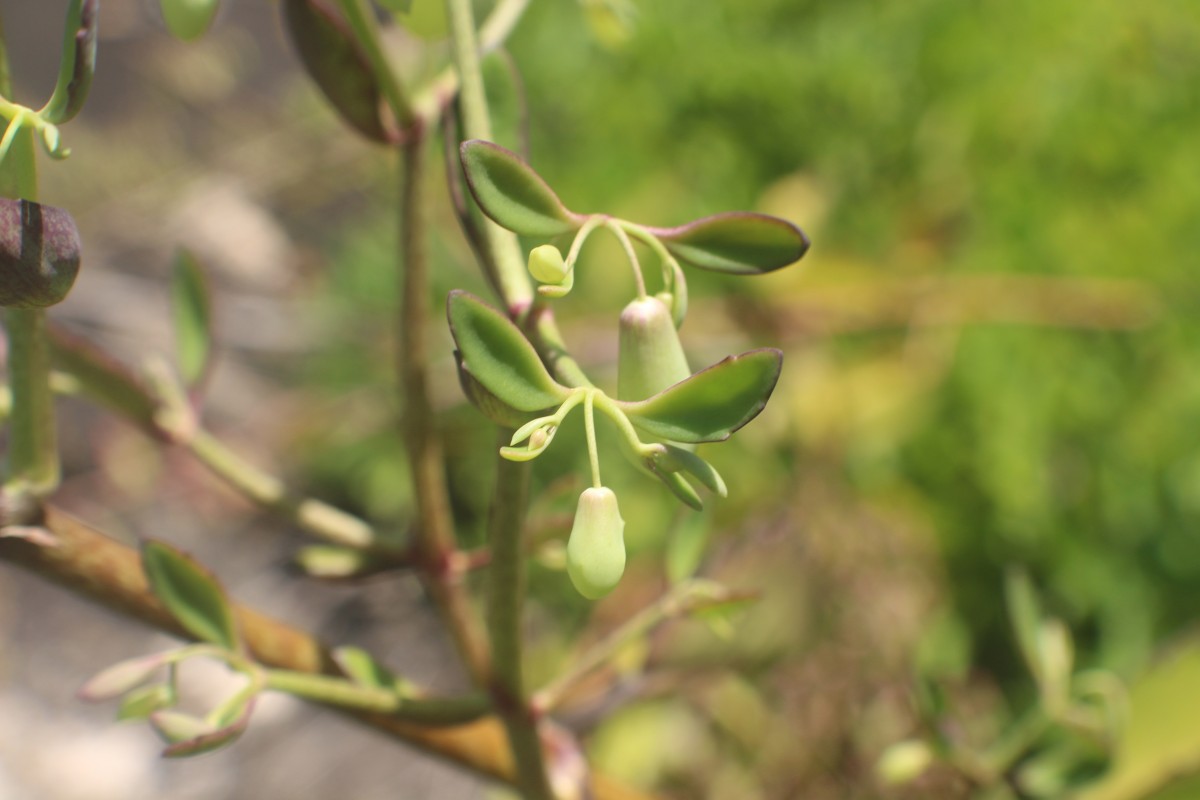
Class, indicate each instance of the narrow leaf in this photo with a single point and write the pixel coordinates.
(176, 726)
(333, 59)
(499, 356)
(192, 309)
(77, 65)
(190, 593)
(362, 668)
(713, 403)
(685, 548)
(103, 378)
(741, 242)
(512, 194)
(1025, 615)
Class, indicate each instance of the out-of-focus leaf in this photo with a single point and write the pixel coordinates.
(904, 761)
(1025, 614)
(190, 593)
(362, 668)
(141, 703)
(506, 101)
(122, 677)
(176, 726)
(685, 548)
(212, 739)
(713, 403)
(189, 19)
(77, 65)
(740, 242)
(512, 194)
(192, 306)
(333, 59)
(499, 356)
(103, 378)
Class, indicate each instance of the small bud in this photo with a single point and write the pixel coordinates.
(596, 547)
(39, 254)
(650, 357)
(547, 265)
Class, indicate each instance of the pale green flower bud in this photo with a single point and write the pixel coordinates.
(650, 356)
(547, 265)
(596, 548)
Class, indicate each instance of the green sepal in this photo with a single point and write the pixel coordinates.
(191, 307)
(77, 66)
(739, 242)
(712, 404)
(680, 459)
(191, 594)
(334, 60)
(512, 194)
(499, 356)
(188, 19)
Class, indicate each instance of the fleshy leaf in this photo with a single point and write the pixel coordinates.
(680, 487)
(192, 307)
(740, 242)
(176, 726)
(499, 356)
(713, 403)
(362, 668)
(190, 593)
(78, 63)
(685, 548)
(333, 59)
(511, 193)
(206, 742)
(488, 404)
(122, 677)
(142, 702)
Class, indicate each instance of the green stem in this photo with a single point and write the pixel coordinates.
(631, 255)
(366, 30)
(436, 539)
(344, 694)
(506, 592)
(589, 424)
(33, 452)
(511, 277)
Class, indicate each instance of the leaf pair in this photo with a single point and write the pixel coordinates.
(519, 199)
(706, 407)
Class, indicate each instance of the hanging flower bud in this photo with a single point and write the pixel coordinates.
(39, 254)
(650, 355)
(546, 264)
(596, 548)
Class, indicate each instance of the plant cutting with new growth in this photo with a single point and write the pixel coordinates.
(512, 364)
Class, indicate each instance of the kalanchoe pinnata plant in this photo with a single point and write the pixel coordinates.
(661, 410)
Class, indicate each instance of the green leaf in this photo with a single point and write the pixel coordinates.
(188, 19)
(713, 403)
(512, 194)
(204, 741)
(740, 242)
(103, 378)
(499, 356)
(362, 668)
(685, 548)
(190, 593)
(78, 63)
(334, 60)
(488, 404)
(192, 311)
(505, 99)
(141, 703)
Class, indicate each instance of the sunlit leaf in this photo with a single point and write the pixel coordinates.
(713, 403)
(77, 65)
(192, 311)
(333, 59)
(499, 356)
(511, 193)
(190, 593)
(740, 242)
